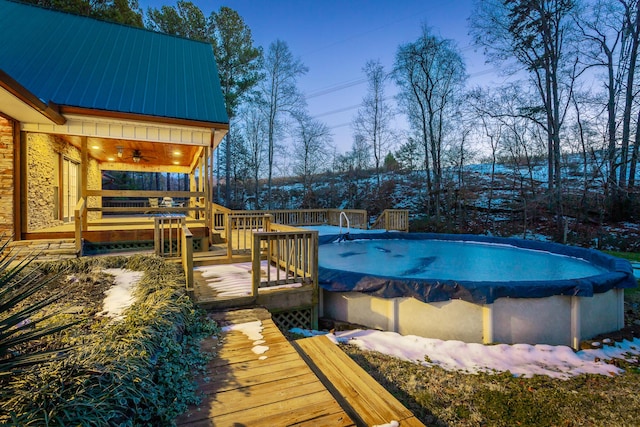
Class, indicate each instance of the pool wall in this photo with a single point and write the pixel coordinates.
(554, 320)
(562, 312)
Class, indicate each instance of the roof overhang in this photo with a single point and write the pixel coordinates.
(133, 130)
(20, 104)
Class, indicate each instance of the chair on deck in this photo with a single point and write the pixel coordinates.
(153, 202)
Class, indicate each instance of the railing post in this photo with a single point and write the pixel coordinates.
(228, 220)
(187, 258)
(255, 265)
(80, 226)
(78, 234)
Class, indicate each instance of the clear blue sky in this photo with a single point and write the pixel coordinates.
(335, 38)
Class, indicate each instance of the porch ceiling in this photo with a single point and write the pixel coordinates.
(162, 145)
(153, 156)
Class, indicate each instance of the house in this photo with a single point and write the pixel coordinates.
(80, 97)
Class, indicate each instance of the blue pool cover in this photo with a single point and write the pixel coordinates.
(615, 273)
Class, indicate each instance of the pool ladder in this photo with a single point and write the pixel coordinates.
(344, 236)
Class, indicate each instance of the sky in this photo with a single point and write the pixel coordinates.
(335, 39)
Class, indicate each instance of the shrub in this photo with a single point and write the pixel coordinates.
(138, 371)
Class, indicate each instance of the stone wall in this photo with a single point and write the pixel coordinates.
(42, 176)
(94, 182)
(43, 157)
(6, 177)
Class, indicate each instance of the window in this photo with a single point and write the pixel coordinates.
(70, 189)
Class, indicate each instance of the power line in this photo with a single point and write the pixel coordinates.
(343, 109)
(338, 110)
(340, 125)
(336, 87)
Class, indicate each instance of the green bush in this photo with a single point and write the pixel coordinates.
(24, 317)
(137, 371)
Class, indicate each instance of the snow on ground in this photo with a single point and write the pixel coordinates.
(119, 296)
(253, 331)
(234, 280)
(522, 360)
(228, 279)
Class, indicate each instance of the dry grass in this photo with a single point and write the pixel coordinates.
(440, 398)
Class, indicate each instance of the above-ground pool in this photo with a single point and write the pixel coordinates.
(473, 288)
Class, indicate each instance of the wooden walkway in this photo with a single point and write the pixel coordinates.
(245, 387)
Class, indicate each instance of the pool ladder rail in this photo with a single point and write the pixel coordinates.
(344, 236)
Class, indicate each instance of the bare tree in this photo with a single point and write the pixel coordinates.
(374, 115)
(281, 96)
(601, 25)
(360, 153)
(631, 42)
(311, 148)
(430, 73)
(532, 34)
(253, 127)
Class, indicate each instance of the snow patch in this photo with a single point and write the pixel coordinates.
(253, 331)
(521, 360)
(120, 296)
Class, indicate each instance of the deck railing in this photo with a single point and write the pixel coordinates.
(295, 217)
(357, 217)
(168, 231)
(129, 203)
(219, 217)
(392, 219)
(78, 219)
(299, 216)
(239, 227)
(292, 258)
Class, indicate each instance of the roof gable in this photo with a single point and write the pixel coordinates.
(87, 63)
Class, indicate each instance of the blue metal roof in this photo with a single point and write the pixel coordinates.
(83, 62)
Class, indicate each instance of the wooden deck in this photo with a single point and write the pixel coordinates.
(243, 390)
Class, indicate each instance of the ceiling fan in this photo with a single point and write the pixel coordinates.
(136, 155)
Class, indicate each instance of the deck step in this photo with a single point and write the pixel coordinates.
(359, 394)
(42, 250)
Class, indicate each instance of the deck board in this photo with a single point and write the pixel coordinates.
(241, 389)
(368, 400)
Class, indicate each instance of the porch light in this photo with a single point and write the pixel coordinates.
(177, 153)
(111, 159)
(136, 158)
(120, 150)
